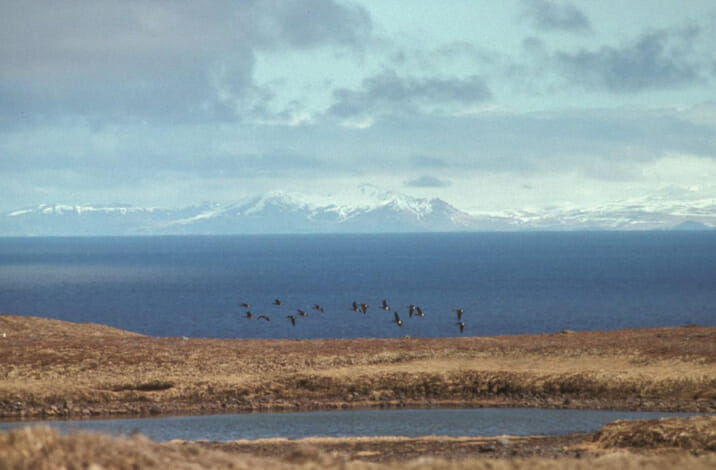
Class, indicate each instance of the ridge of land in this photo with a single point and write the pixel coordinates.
(52, 368)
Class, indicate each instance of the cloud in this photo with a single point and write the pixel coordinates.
(427, 182)
(409, 144)
(599, 144)
(388, 92)
(703, 113)
(85, 163)
(127, 152)
(427, 161)
(179, 61)
(307, 23)
(548, 15)
(267, 164)
(658, 59)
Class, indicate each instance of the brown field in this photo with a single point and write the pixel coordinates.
(54, 368)
(58, 369)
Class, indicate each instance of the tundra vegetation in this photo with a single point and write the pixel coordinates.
(50, 368)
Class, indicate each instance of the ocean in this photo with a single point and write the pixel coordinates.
(506, 283)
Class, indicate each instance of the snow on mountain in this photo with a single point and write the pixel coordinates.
(64, 219)
(649, 212)
(365, 209)
(62, 209)
(282, 212)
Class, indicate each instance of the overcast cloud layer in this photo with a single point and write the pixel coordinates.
(498, 106)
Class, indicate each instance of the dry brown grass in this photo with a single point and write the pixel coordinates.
(49, 368)
(695, 434)
(40, 448)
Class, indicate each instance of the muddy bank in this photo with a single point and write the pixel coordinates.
(50, 368)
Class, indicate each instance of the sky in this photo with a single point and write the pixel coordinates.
(489, 105)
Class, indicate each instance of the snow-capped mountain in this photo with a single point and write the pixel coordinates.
(282, 212)
(366, 209)
(274, 212)
(669, 208)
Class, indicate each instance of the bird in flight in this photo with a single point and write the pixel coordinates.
(397, 319)
(245, 305)
(292, 318)
(459, 312)
(364, 308)
(263, 317)
(355, 307)
(385, 305)
(318, 308)
(411, 310)
(301, 313)
(277, 302)
(249, 315)
(461, 324)
(419, 311)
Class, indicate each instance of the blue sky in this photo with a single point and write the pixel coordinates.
(491, 106)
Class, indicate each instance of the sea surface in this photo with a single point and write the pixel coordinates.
(405, 422)
(507, 283)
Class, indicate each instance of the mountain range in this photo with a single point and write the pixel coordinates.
(374, 211)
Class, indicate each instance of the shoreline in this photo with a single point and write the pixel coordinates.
(39, 414)
(642, 444)
(40, 418)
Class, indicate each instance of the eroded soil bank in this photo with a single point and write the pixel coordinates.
(50, 368)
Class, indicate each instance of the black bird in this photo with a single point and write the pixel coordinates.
(277, 302)
(364, 308)
(355, 307)
(292, 318)
(318, 307)
(245, 305)
(301, 312)
(411, 310)
(419, 311)
(385, 305)
(263, 317)
(459, 312)
(397, 319)
(461, 324)
(249, 315)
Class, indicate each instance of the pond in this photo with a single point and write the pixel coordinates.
(403, 422)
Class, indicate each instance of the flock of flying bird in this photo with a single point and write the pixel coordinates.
(413, 310)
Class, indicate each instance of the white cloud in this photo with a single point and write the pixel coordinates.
(179, 61)
(187, 101)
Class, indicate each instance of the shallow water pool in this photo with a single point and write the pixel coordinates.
(403, 422)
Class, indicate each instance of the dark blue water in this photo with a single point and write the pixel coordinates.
(506, 282)
(410, 423)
